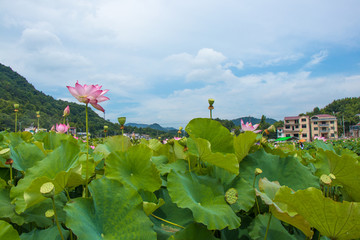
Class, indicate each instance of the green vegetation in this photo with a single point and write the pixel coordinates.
(210, 185)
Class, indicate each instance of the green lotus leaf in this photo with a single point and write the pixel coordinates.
(336, 220)
(7, 210)
(150, 207)
(219, 137)
(267, 193)
(114, 212)
(7, 231)
(134, 167)
(287, 171)
(242, 144)
(57, 167)
(26, 155)
(205, 197)
(276, 230)
(36, 213)
(161, 163)
(227, 161)
(51, 233)
(112, 144)
(53, 140)
(346, 169)
(194, 231)
(319, 144)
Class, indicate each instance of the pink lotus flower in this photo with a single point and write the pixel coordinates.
(66, 111)
(76, 137)
(62, 128)
(320, 138)
(52, 128)
(249, 127)
(177, 138)
(93, 147)
(89, 94)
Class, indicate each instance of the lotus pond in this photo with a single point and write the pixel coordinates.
(211, 185)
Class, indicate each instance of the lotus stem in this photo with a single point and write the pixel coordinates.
(11, 175)
(56, 218)
(268, 226)
(257, 204)
(87, 151)
(16, 121)
(167, 221)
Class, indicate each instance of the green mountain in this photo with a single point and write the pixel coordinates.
(155, 126)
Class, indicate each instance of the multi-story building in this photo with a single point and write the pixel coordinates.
(298, 127)
(304, 127)
(280, 132)
(324, 125)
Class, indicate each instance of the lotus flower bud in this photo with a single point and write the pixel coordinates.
(122, 120)
(271, 128)
(48, 190)
(52, 128)
(66, 111)
(258, 171)
(183, 141)
(231, 196)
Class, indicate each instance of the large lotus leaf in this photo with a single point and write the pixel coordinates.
(287, 171)
(15, 139)
(228, 161)
(7, 210)
(220, 138)
(36, 213)
(25, 155)
(321, 163)
(161, 163)
(53, 140)
(242, 144)
(276, 230)
(204, 196)
(57, 166)
(337, 220)
(267, 193)
(319, 144)
(114, 212)
(194, 231)
(346, 169)
(112, 144)
(134, 167)
(51, 233)
(7, 231)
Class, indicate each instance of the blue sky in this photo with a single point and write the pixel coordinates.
(161, 60)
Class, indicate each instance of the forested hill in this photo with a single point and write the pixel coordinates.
(346, 107)
(16, 89)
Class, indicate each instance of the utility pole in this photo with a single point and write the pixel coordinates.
(343, 125)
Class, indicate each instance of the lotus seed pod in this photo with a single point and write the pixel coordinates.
(48, 190)
(16, 106)
(106, 127)
(183, 141)
(122, 120)
(258, 171)
(211, 101)
(49, 213)
(180, 128)
(5, 153)
(325, 179)
(332, 176)
(231, 196)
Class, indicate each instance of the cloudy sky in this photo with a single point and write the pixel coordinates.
(161, 60)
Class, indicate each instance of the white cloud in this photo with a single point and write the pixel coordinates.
(317, 58)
